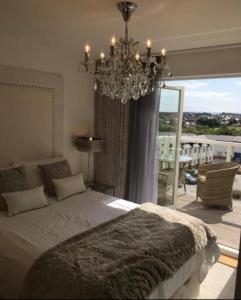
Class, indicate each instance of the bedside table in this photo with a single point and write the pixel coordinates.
(102, 188)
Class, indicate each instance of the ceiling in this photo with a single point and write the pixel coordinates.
(66, 25)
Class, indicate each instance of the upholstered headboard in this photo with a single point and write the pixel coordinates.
(31, 115)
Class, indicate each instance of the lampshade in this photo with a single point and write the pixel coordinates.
(89, 144)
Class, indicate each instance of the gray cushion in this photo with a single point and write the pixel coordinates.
(12, 180)
(54, 171)
(33, 174)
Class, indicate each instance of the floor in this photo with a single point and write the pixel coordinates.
(219, 283)
(226, 224)
(228, 260)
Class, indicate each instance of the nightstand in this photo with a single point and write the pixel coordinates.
(102, 188)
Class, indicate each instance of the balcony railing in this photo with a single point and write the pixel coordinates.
(228, 145)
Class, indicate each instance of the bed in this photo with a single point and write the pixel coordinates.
(28, 236)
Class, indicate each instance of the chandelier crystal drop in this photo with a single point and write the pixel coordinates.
(126, 74)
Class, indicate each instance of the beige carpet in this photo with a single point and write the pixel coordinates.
(219, 283)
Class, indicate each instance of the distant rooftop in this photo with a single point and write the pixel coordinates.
(224, 138)
(221, 138)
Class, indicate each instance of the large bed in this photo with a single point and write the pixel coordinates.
(26, 236)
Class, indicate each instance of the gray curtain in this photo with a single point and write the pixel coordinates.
(111, 124)
(141, 185)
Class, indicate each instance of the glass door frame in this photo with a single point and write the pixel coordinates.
(180, 89)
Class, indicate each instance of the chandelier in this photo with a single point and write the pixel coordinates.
(126, 74)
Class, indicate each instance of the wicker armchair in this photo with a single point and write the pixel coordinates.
(162, 188)
(215, 182)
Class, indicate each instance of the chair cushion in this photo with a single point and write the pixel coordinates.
(236, 187)
(202, 178)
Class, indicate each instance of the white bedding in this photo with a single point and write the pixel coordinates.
(25, 236)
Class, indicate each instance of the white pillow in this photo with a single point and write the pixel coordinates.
(69, 186)
(33, 174)
(25, 200)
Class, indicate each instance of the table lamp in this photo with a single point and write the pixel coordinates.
(89, 145)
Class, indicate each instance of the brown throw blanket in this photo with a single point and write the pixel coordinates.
(123, 258)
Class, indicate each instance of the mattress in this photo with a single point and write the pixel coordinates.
(26, 236)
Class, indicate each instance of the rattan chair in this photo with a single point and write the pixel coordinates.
(162, 188)
(215, 182)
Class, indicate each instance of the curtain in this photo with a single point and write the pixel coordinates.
(141, 183)
(111, 119)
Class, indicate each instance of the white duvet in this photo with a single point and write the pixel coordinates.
(26, 236)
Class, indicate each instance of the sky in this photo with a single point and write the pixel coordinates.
(205, 95)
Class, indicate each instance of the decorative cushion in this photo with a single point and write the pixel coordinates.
(202, 178)
(33, 174)
(236, 192)
(18, 202)
(54, 171)
(12, 180)
(69, 186)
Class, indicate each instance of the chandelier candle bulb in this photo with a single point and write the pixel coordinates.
(137, 56)
(163, 52)
(87, 48)
(113, 41)
(112, 46)
(87, 54)
(148, 45)
(102, 56)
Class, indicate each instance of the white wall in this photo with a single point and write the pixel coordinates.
(208, 61)
(77, 93)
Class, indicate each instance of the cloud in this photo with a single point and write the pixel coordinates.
(210, 101)
(191, 84)
(211, 95)
(195, 85)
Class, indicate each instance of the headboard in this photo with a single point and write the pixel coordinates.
(31, 115)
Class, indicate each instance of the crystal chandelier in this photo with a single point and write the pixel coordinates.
(125, 74)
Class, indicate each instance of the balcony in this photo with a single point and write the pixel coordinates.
(226, 224)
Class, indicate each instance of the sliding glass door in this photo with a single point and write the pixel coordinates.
(168, 144)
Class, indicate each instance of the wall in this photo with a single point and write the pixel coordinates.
(78, 93)
(204, 62)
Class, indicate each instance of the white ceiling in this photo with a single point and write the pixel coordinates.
(66, 25)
